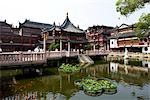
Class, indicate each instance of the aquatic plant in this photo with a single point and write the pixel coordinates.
(93, 86)
(69, 68)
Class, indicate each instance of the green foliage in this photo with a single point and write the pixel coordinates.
(95, 85)
(53, 46)
(144, 22)
(68, 68)
(87, 47)
(91, 85)
(107, 84)
(142, 25)
(126, 7)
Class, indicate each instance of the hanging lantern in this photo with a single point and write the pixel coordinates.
(66, 44)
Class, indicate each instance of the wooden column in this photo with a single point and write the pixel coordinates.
(44, 42)
(68, 48)
(94, 47)
(60, 45)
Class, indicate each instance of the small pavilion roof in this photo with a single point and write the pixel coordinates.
(69, 27)
(57, 28)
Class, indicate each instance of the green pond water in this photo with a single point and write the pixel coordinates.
(132, 78)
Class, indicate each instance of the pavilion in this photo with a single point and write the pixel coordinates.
(70, 37)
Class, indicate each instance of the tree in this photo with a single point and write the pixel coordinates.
(126, 7)
(87, 47)
(142, 25)
(53, 46)
(144, 22)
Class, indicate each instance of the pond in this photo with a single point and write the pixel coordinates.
(132, 79)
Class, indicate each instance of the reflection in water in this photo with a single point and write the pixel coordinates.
(48, 84)
(146, 64)
(113, 67)
(126, 61)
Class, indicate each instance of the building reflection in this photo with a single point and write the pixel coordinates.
(129, 74)
(116, 67)
(57, 85)
(113, 67)
(146, 64)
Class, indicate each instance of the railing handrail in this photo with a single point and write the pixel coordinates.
(18, 57)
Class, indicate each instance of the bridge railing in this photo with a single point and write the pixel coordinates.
(96, 52)
(19, 57)
(14, 57)
(74, 53)
(53, 54)
(33, 56)
(9, 57)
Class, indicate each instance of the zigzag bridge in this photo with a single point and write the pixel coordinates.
(21, 58)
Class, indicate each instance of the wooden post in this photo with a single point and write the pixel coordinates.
(94, 47)
(60, 45)
(45, 35)
(44, 42)
(68, 49)
(60, 41)
(20, 57)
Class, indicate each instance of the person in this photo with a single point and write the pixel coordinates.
(37, 49)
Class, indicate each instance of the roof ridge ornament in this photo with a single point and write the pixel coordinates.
(54, 24)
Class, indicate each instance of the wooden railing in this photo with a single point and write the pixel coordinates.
(133, 43)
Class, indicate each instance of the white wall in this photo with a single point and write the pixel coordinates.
(144, 51)
(113, 43)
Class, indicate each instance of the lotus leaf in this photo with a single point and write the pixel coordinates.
(68, 68)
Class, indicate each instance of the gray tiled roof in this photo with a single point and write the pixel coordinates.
(127, 35)
(33, 24)
(66, 26)
(57, 28)
(123, 35)
(69, 27)
(5, 23)
(114, 36)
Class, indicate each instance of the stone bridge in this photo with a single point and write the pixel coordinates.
(19, 58)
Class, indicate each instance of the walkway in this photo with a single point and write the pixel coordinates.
(19, 58)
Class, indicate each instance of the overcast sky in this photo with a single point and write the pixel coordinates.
(84, 13)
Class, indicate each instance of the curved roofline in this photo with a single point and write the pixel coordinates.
(66, 26)
(70, 27)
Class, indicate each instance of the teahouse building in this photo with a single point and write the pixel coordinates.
(32, 30)
(6, 36)
(26, 37)
(98, 35)
(124, 37)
